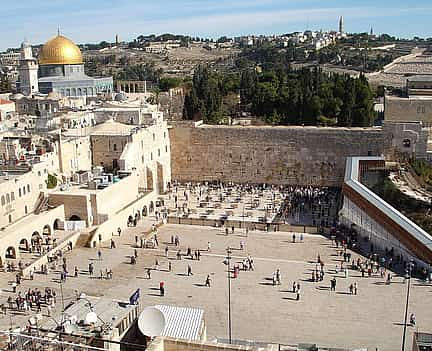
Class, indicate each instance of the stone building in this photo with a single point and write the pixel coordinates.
(416, 105)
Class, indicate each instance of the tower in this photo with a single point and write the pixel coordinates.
(28, 71)
(371, 32)
(117, 39)
(341, 25)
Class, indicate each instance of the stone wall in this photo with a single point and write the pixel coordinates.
(274, 155)
(408, 109)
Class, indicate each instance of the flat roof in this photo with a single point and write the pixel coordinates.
(182, 322)
(108, 311)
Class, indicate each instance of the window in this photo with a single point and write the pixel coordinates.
(142, 159)
(158, 152)
(39, 173)
(164, 135)
(406, 143)
(19, 192)
(166, 148)
(28, 188)
(154, 137)
(23, 190)
(12, 196)
(2, 200)
(10, 218)
(115, 147)
(151, 156)
(25, 209)
(7, 198)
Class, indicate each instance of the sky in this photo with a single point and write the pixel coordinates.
(91, 21)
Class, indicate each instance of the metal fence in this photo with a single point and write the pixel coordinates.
(22, 342)
(14, 341)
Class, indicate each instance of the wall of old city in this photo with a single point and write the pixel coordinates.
(276, 155)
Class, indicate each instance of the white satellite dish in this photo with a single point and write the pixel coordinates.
(151, 321)
(91, 318)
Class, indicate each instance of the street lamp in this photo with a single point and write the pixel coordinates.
(408, 276)
(228, 260)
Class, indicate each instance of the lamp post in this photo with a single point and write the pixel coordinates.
(228, 258)
(408, 276)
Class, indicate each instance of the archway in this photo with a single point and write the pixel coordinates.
(130, 220)
(23, 245)
(56, 224)
(138, 216)
(10, 252)
(144, 211)
(151, 207)
(36, 237)
(46, 230)
(74, 218)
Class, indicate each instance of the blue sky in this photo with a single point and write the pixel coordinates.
(97, 20)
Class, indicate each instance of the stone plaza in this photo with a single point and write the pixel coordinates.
(260, 311)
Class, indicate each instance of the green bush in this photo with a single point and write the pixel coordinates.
(51, 182)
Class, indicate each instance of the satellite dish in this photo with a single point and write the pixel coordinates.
(91, 318)
(151, 321)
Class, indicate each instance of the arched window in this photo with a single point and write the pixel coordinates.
(19, 192)
(12, 196)
(24, 190)
(2, 200)
(28, 188)
(115, 147)
(7, 198)
(154, 137)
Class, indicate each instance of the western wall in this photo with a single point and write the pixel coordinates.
(273, 155)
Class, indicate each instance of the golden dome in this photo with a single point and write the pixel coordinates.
(60, 51)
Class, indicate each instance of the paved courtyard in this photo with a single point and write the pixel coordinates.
(260, 311)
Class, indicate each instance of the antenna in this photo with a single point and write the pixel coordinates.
(151, 322)
(58, 30)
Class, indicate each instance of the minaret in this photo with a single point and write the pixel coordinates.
(28, 70)
(371, 32)
(341, 25)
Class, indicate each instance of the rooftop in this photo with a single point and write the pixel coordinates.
(423, 78)
(112, 127)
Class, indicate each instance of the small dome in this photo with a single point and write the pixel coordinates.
(54, 95)
(16, 96)
(120, 97)
(60, 51)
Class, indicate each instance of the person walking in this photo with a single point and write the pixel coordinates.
(189, 271)
(355, 288)
(166, 251)
(90, 268)
(148, 273)
(208, 281)
(99, 255)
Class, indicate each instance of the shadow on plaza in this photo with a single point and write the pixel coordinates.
(290, 298)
